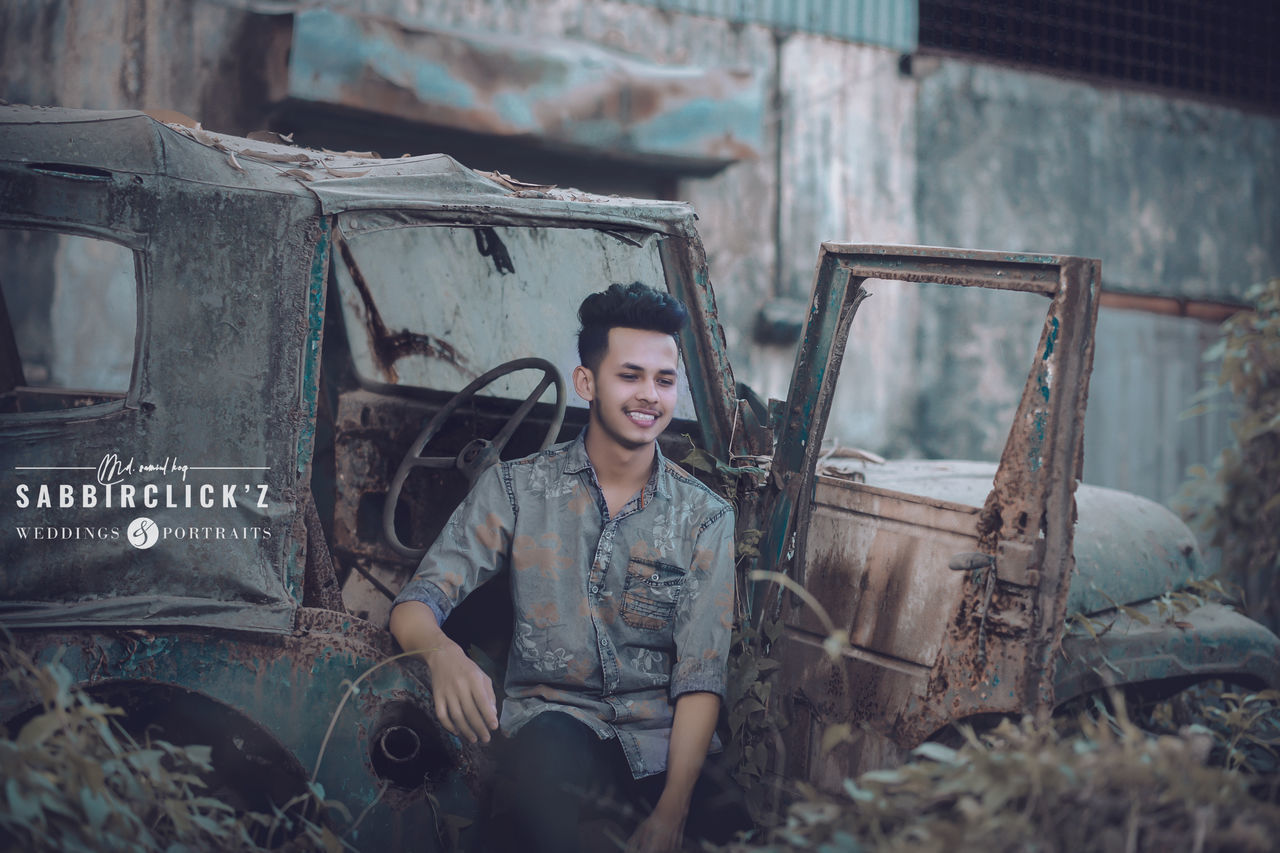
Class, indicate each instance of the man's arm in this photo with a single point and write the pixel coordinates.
(702, 635)
(691, 730)
(468, 552)
(464, 699)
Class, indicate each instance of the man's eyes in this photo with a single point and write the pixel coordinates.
(665, 381)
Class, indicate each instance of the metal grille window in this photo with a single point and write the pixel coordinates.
(1222, 51)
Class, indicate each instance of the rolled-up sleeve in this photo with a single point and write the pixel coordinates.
(704, 618)
(473, 548)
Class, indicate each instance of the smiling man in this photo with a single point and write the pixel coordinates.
(622, 585)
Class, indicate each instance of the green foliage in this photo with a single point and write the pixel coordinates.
(1240, 500)
(1244, 726)
(1107, 786)
(720, 475)
(74, 780)
(753, 707)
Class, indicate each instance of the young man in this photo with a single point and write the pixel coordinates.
(622, 584)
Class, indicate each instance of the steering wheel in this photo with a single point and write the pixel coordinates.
(479, 453)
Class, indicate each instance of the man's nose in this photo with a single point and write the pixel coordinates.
(648, 390)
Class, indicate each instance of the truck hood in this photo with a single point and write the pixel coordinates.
(1127, 548)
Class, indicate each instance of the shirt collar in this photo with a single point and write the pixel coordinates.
(577, 461)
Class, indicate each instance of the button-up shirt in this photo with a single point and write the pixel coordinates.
(615, 616)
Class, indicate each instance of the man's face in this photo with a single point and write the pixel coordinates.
(633, 391)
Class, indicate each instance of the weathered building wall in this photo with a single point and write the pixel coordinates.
(1174, 197)
(197, 58)
(846, 173)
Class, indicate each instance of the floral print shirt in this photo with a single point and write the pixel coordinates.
(615, 617)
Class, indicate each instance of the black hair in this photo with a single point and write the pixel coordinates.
(629, 306)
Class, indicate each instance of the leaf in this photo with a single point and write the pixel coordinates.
(858, 795)
(25, 809)
(937, 752)
(345, 173)
(96, 807)
(1134, 614)
(883, 777)
(834, 735)
(38, 730)
(699, 460)
(274, 157)
(330, 842)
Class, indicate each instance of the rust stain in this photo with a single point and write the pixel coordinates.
(389, 347)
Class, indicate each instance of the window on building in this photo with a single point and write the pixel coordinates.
(1222, 51)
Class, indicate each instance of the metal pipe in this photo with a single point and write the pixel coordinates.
(399, 744)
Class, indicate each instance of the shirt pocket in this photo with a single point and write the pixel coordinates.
(651, 593)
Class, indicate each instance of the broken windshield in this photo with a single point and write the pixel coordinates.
(436, 306)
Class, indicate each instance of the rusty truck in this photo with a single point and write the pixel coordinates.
(245, 384)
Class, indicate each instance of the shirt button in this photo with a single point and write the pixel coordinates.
(595, 589)
(604, 642)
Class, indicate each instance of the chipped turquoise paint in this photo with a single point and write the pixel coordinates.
(688, 126)
(516, 109)
(336, 58)
(294, 571)
(1042, 383)
(331, 51)
(1036, 451)
(145, 650)
(310, 392)
(1052, 340)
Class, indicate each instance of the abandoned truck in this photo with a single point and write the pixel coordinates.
(244, 385)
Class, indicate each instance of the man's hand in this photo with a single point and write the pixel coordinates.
(465, 704)
(661, 832)
(464, 696)
(695, 720)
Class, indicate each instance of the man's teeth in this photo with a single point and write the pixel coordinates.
(641, 418)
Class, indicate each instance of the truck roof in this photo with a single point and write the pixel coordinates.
(53, 138)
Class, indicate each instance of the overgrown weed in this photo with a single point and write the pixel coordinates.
(1108, 787)
(75, 780)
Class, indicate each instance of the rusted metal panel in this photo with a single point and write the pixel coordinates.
(301, 677)
(711, 383)
(222, 556)
(1209, 641)
(878, 562)
(988, 643)
(1031, 507)
(1126, 548)
(574, 94)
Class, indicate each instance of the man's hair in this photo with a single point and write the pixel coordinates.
(629, 306)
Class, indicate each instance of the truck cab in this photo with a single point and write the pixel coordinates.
(243, 385)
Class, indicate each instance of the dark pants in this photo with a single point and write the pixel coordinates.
(555, 774)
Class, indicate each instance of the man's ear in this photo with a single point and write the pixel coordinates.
(584, 382)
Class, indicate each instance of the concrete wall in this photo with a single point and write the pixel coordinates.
(1175, 197)
(193, 57)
